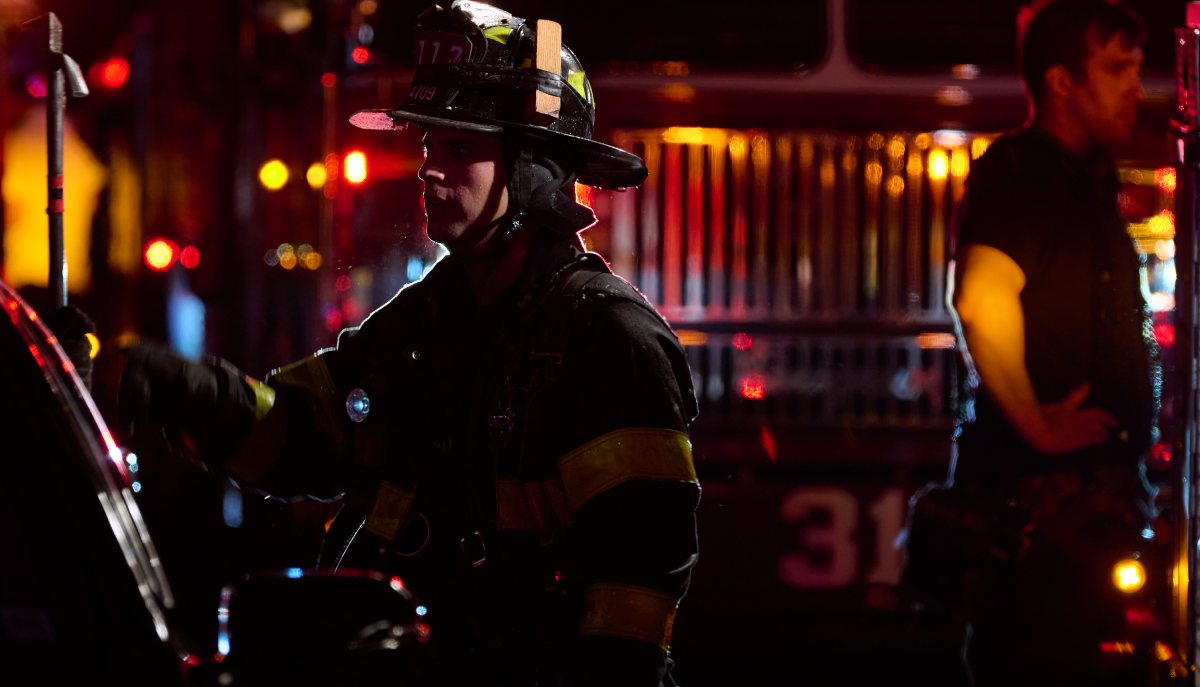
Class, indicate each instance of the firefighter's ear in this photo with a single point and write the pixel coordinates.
(1058, 80)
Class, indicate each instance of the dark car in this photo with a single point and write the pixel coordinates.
(84, 598)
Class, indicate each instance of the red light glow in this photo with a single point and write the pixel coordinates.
(742, 341)
(768, 444)
(1164, 333)
(342, 283)
(190, 257)
(360, 55)
(1161, 453)
(752, 387)
(114, 72)
(329, 79)
(36, 86)
(160, 254)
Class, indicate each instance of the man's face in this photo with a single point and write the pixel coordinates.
(1105, 97)
(465, 188)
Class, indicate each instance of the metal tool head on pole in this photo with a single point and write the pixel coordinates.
(62, 73)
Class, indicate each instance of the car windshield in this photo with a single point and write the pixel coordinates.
(78, 562)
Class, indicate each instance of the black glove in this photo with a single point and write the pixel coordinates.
(209, 403)
(71, 326)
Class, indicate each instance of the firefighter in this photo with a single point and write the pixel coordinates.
(1049, 482)
(508, 433)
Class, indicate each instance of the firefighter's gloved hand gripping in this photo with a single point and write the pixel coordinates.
(208, 403)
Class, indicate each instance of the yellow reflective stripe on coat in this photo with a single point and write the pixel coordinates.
(389, 511)
(531, 506)
(630, 612)
(311, 373)
(641, 453)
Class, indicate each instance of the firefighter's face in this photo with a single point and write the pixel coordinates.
(1105, 97)
(465, 188)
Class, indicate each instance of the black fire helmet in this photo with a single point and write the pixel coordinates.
(474, 71)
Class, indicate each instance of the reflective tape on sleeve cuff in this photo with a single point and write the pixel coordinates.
(629, 612)
(264, 398)
(626, 454)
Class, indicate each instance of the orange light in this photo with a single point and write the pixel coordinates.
(691, 337)
(114, 72)
(355, 167)
(189, 257)
(1165, 177)
(752, 387)
(583, 194)
(1129, 576)
(936, 340)
(360, 55)
(160, 254)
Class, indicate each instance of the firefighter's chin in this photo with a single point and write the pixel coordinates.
(464, 241)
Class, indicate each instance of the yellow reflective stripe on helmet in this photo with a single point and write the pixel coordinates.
(661, 455)
(264, 397)
(531, 506)
(499, 34)
(629, 612)
(389, 511)
(578, 81)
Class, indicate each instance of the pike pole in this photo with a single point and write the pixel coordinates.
(61, 72)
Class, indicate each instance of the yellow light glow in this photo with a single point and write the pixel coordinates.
(895, 186)
(355, 167)
(875, 141)
(979, 146)
(959, 162)
(1129, 576)
(939, 165)
(317, 175)
(273, 175)
(684, 135)
(93, 344)
(895, 147)
(1163, 224)
(26, 250)
(312, 260)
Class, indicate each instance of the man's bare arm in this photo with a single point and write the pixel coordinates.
(985, 293)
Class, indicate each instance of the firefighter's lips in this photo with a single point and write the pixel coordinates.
(437, 207)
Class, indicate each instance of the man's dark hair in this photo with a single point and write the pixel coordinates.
(1064, 32)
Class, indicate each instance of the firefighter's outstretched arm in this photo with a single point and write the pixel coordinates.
(237, 424)
(986, 299)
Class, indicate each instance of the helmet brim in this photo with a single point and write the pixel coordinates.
(596, 164)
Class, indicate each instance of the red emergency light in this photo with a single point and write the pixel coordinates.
(160, 254)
